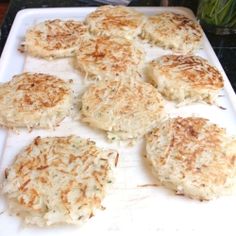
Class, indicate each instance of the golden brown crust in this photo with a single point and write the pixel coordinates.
(186, 131)
(41, 91)
(185, 79)
(55, 38)
(126, 109)
(116, 21)
(174, 31)
(109, 58)
(59, 175)
(193, 157)
(194, 70)
(32, 98)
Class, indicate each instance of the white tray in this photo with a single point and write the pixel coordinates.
(129, 207)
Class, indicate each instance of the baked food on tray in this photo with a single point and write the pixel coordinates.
(115, 21)
(102, 58)
(194, 157)
(126, 110)
(173, 31)
(58, 180)
(54, 38)
(185, 78)
(34, 100)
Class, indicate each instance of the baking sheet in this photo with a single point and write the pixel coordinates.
(130, 206)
